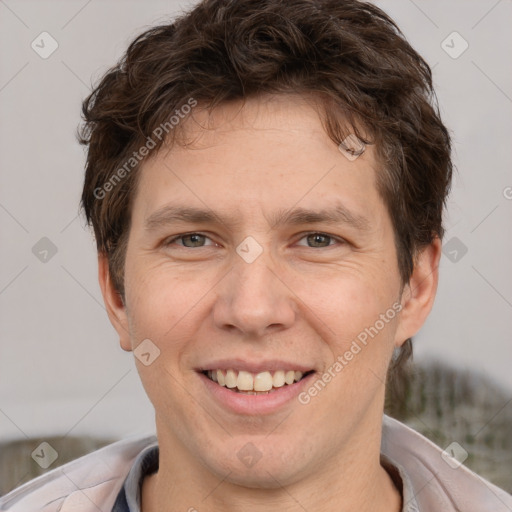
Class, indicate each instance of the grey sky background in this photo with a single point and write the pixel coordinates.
(61, 369)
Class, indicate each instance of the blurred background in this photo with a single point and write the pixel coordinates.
(63, 378)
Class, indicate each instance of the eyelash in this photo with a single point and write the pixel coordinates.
(178, 237)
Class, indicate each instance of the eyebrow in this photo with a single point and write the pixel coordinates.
(295, 216)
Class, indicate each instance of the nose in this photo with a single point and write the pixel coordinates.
(253, 299)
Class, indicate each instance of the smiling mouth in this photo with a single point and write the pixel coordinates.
(255, 384)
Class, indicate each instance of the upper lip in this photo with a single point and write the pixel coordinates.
(270, 365)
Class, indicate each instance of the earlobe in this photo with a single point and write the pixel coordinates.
(114, 305)
(419, 293)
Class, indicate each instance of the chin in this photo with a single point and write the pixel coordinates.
(256, 465)
(266, 476)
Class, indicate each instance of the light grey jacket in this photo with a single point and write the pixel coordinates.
(436, 482)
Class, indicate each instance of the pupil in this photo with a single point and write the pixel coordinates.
(319, 239)
(194, 239)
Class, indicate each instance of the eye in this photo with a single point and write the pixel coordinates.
(319, 240)
(190, 240)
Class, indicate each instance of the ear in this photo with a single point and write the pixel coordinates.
(419, 293)
(116, 309)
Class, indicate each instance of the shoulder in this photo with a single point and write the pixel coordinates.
(439, 482)
(90, 483)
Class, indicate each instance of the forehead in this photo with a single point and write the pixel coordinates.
(261, 155)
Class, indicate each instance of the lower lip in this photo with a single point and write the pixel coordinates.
(241, 403)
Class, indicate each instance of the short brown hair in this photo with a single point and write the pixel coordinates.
(348, 54)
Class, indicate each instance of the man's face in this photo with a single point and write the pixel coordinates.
(264, 285)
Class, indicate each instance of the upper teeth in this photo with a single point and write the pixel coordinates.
(246, 381)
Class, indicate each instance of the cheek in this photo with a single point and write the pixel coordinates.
(360, 318)
(346, 302)
(162, 300)
(357, 319)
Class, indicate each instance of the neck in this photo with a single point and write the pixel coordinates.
(353, 480)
